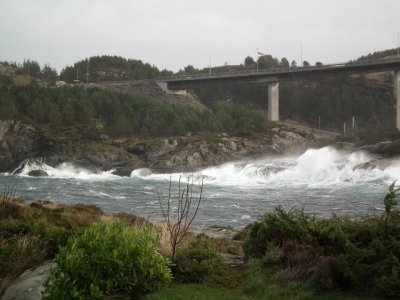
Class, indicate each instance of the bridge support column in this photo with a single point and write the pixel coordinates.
(397, 96)
(273, 101)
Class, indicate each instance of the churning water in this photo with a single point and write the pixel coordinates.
(323, 181)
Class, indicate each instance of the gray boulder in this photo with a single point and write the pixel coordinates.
(38, 173)
(30, 285)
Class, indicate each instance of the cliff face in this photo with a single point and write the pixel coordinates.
(18, 141)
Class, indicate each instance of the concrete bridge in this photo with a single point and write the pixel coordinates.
(273, 76)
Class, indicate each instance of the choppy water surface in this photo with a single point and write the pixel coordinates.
(323, 181)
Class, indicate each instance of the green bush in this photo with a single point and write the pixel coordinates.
(107, 259)
(276, 228)
(199, 262)
(5, 80)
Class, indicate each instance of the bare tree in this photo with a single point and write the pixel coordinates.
(178, 219)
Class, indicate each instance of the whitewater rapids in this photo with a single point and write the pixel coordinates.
(323, 181)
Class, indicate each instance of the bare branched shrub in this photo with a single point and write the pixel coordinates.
(8, 206)
(179, 211)
(9, 193)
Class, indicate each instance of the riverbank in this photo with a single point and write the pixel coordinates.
(289, 255)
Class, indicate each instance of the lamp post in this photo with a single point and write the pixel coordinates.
(210, 64)
(301, 55)
(257, 58)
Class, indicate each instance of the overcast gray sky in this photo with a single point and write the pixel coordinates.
(174, 33)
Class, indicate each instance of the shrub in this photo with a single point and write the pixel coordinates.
(357, 255)
(278, 227)
(107, 259)
(199, 262)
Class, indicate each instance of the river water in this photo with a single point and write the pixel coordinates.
(323, 181)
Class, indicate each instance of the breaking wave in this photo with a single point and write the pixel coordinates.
(315, 167)
(67, 170)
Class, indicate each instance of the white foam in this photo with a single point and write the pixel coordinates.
(315, 167)
(140, 173)
(67, 170)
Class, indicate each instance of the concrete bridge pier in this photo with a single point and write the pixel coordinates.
(397, 96)
(273, 102)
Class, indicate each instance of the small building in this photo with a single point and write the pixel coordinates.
(60, 83)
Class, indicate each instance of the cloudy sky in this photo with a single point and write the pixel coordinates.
(174, 33)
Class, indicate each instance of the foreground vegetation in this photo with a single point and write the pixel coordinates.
(108, 258)
(289, 255)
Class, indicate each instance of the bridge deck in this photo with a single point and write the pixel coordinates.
(281, 74)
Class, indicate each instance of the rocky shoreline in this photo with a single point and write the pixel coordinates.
(22, 144)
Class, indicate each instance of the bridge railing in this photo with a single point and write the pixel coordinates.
(276, 70)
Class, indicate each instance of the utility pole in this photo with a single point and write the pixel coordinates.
(87, 71)
(344, 128)
(29, 79)
(210, 64)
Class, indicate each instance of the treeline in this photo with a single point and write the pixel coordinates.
(381, 54)
(118, 114)
(30, 68)
(262, 63)
(111, 68)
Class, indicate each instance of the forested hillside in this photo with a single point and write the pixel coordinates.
(110, 68)
(381, 54)
(105, 111)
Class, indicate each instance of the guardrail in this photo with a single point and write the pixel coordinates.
(276, 70)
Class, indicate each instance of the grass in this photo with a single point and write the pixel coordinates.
(196, 292)
(207, 292)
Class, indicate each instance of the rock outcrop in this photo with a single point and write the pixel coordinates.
(38, 173)
(387, 148)
(18, 141)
